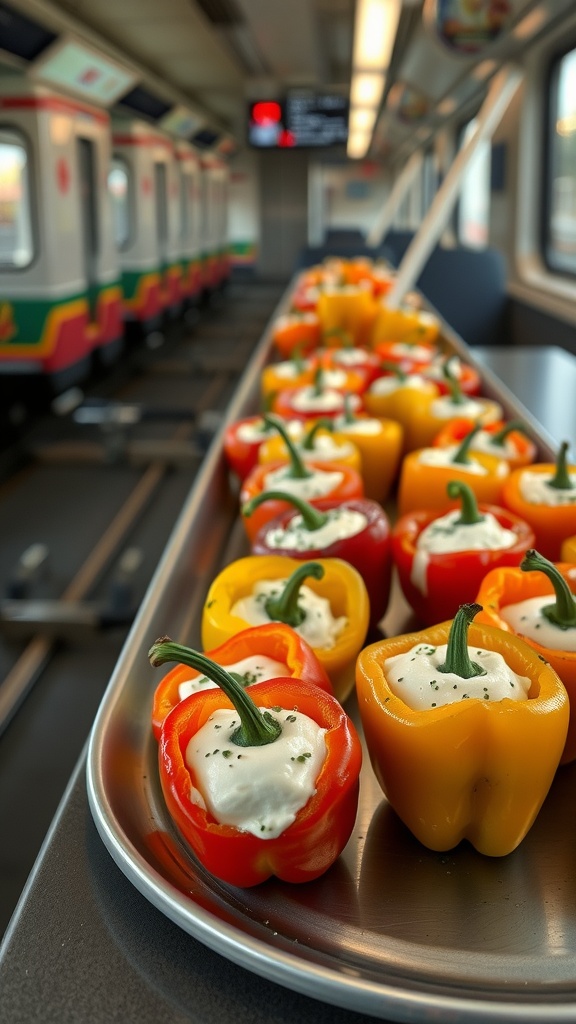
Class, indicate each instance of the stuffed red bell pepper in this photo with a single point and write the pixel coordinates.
(442, 558)
(356, 530)
(261, 782)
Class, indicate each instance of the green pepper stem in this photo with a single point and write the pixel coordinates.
(561, 479)
(308, 442)
(562, 612)
(457, 658)
(348, 413)
(312, 518)
(453, 386)
(257, 728)
(461, 456)
(499, 437)
(395, 369)
(318, 381)
(339, 332)
(285, 607)
(298, 360)
(267, 403)
(297, 470)
(469, 512)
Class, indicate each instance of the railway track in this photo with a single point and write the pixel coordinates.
(87, 503)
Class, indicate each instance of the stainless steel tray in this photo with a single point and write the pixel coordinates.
(392, 930)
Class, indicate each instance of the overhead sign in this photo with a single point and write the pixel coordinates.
(181, 121)
(467, 27)
(79, 69)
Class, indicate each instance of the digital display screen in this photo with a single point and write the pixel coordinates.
(85, 72)
(300, 119)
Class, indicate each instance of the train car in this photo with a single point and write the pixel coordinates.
(59, 275)
(215, 261)
(191, 281)
(149, 246)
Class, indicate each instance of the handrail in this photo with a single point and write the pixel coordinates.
(500, 94)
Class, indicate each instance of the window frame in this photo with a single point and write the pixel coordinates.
(11, 268)
(551, 81)
(457, 213)
(131, 199)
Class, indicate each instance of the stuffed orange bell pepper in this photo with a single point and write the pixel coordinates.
(455, 753)
(331, 610)
(505, 440)
(316, 441)
(432, 415)
(253, 655)
(295, 372)
(380, 442)
(536, 602)
(426, 473)
(442, 558)
(296, 331)
(409, 356)
(544, 494)
(319, 399)
(400, 395)
(259, 782)
(349, 357)
(311, 480)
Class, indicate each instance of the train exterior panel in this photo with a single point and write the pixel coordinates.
(150, 253)
(190, 183)
(215, 257)
(59, 279)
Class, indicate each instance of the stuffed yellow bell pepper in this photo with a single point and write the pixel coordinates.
(325, 601)
(433, 414)
(401, 396)
(379, 441)
(317, 441)
(456, 759)
(412, 326)
(351, 308)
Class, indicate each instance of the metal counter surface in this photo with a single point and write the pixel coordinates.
(543, 380)
(85, 945)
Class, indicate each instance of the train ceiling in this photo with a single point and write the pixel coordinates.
(211, 56)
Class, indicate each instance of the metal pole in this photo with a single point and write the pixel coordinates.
(502, 89)
(399, 190)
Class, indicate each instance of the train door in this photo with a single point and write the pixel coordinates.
(161, 209)
(88, 220)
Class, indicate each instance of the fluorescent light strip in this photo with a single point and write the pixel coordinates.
(366, 89)
(358, 143)
(374, 33)
(362, 119)
(375, 27)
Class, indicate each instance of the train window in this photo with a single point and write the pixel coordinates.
(560, 224)
(474, 202)
(16, 240)
(120, 187)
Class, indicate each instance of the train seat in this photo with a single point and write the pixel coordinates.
(467, 287)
